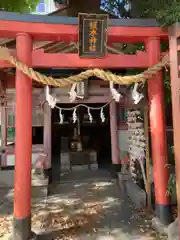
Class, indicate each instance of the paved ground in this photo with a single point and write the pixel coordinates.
(93, 210)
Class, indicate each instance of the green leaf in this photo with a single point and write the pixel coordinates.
(24, 6)
(166, 12)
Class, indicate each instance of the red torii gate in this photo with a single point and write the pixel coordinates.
(25, 29)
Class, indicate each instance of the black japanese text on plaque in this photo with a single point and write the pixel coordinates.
(92, 35)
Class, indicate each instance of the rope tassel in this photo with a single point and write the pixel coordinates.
(63, 82)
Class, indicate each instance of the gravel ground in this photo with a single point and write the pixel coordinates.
(91, 210)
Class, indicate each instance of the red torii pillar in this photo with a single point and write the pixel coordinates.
(158, 136)
(23, 147)
(115, 151)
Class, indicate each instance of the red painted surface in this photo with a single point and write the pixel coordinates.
(115, 151)
(61, 32)
(175, 86)
(110, 61)
(157, 125)
(47, 134)
(64, 60)
(23, 147)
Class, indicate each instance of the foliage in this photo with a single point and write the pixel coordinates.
(167, 87)
(171, 188)
(166, 12)
(119, 8)
(18, 5)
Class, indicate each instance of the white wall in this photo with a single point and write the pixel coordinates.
(11, 159)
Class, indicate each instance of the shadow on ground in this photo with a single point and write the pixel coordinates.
(91, 210)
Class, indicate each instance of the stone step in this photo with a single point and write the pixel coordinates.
(7, 180)
(37, 192)
(134, 192)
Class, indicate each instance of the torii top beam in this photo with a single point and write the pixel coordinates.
(66, 28)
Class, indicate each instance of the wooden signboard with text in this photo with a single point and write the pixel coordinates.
(92, 35)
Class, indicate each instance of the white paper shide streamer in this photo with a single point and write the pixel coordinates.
(74, 116)
(49, 98)
(75, 92)
(52, 101)
(136, 96)
(76, 87)
(61, 117)
(90, 116)
(102, 116)
(115, 95)
(72, 93)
